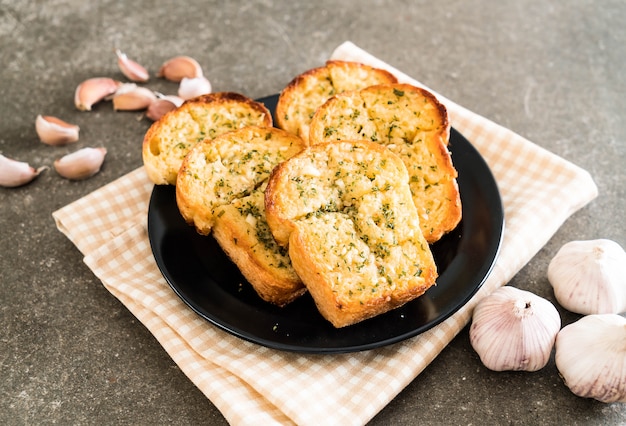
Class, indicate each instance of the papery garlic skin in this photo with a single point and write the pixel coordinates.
(81, 164)
(54, 131)
(131, 69)
(514, 329)
(15, 173)
(191, 87)
(179, 67)
(94, 90)
(591, 357)
(589, 277)
(130, 97)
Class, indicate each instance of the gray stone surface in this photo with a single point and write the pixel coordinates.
(70, 353)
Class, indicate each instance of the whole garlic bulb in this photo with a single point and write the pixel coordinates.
(514, 329)
(589, 277)
(591, 357)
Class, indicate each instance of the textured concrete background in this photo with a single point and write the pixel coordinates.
(70, 353)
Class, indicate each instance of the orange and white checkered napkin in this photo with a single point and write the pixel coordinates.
(251, 384)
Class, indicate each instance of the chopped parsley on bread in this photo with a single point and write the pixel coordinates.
(170, 138)
(344, 210)
(412, 123)
(220, 189)
(299, 100)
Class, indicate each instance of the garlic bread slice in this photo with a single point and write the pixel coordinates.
(220, 189)
(412, 123)
(344, 210)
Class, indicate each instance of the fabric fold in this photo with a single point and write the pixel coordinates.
(251, 384)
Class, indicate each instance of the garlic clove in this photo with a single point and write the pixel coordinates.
(159, 108)
(191, 87)
(130, 97)
(93, 90)
(175, 69)
(80, 164)
(15, 173)
(131, 69)
(54, 131)
(591, 357)
(514, 329)
(176, 100)
(589, 277)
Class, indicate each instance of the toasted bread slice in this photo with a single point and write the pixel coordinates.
(344, 210)
(170, 138)
(242, 232)
(220, 188)
(305, 93)
(413, 124)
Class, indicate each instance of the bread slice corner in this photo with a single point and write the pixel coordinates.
(299, 100)
(169, 139)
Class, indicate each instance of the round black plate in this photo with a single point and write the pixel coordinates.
(210, 284)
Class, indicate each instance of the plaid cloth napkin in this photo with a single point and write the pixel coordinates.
(251, 384)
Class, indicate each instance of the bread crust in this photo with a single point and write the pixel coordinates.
(413, 124)
(170, 138)
(345, 212)
(264, 264)
(306, 92)
(220, 189)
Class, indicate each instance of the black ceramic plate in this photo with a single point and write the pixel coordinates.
(206, 280)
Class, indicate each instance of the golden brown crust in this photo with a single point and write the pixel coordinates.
(345, 211)
(306, 92)
(220, 189)
(413, 124)
(264, 264)
(171, 137)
